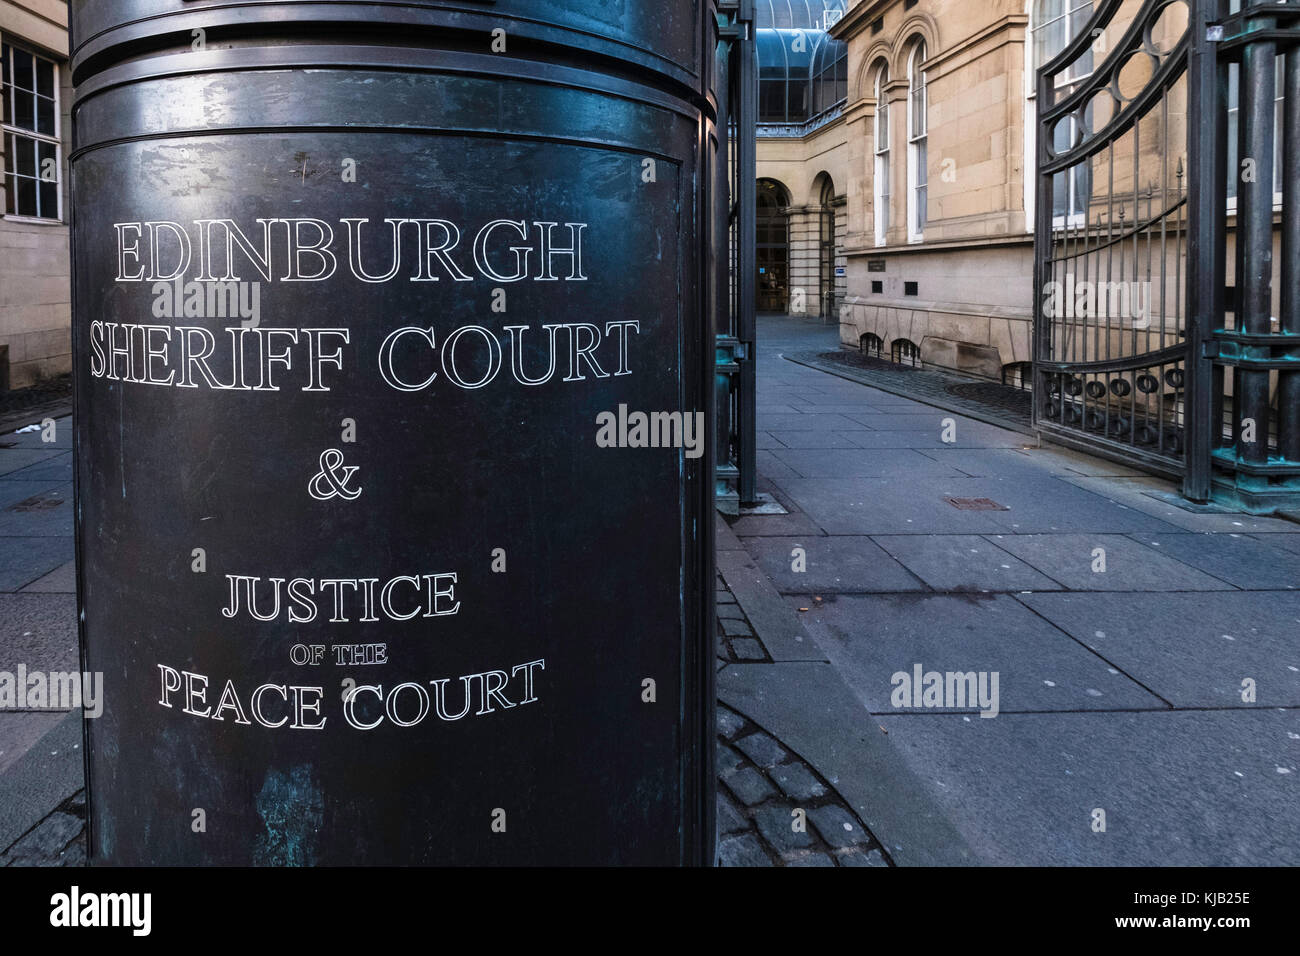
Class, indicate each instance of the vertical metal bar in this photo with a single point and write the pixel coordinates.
(1043, 253)
(747, 178)
(723, 268)
(1288, 387)
(1255, 234)
(1207, 96)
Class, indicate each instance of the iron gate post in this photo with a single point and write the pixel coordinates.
(1206, 257)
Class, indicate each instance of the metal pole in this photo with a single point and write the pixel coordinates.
(1288, 392)
(747, 263)
(1207, 82)
(1255, 236)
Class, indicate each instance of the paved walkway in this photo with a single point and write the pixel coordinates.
(1124, 630)
(1147, 656)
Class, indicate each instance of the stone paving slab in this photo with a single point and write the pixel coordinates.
(781, 634)
(918, 506)
(1240, 560)
(40, 631)
(865, 506)
(53, 466)
(870, 638)
(809, 708)
(809, 422)
(1179, 788)
(909, 439)
(794, 523)
(774, 467)
(20, 730)
(811, 439)
(25, 560)
(1132, 492)
(724, 538)
(15, 461)
(952, 562)
(13, 492)
(1194, 650)
(50, 516)
(990, 462)
(860, 463)
(1284, 540)
(35, 439)
(830, 565)
(1122, 565)
(767, 441)
(46, 775)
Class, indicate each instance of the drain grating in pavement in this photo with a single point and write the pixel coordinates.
(1014, 401)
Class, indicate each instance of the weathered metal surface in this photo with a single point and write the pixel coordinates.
(334, 515)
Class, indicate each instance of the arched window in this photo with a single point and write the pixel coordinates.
(773, 246)
(905, 352)
(1053, 25)
(826, 248)
(917, 141)
(882, 191)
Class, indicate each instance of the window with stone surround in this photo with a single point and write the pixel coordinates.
(881, 178)
(917, 144)
(29, 124)
(1053, 24)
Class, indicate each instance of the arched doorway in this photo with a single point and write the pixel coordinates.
(773, 247)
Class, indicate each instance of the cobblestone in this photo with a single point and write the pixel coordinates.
(727, 761)
(762, 749)
(730, 819)
(756, 828)
(750, 786)
(730, 723)
(811, 859)
(736, 639)
(797, 782)
(742, 850)
(860, 858)
(837, 827)
(777, 826)
(58, 840)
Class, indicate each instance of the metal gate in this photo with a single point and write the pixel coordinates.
(1110, 344)
(1167, 254)
(736, 250)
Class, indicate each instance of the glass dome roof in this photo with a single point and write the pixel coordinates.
(802, 72)
(797, 14)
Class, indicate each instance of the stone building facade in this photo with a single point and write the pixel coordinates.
(802, 158)
(939, 241)
(940, 127)
(35, 99)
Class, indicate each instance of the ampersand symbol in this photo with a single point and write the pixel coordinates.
(333, 478)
